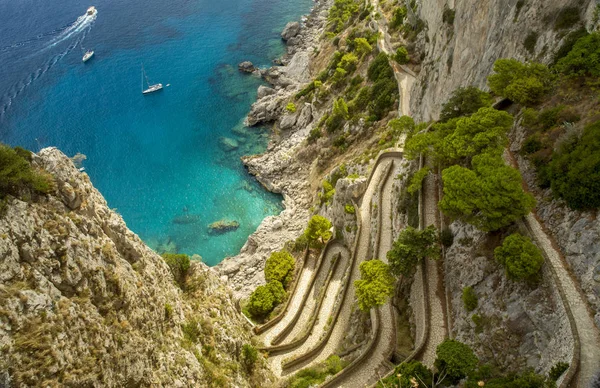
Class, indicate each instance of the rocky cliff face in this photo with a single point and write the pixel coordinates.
(463, 52)
(84, 302)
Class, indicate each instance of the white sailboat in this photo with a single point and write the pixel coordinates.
(151, 88)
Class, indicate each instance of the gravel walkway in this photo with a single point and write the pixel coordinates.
(588, 333)
(437, 321)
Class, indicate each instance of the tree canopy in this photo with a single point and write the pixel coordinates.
(375, 285)
(280, 266)
(411, 246)
(318, 231)
(521, 258)
(465, 102)
(523, 83)
(583, 59)
(489, 196)
(456, 359)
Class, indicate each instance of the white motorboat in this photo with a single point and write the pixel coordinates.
(88, 55)
(91, 11)
(151, 88)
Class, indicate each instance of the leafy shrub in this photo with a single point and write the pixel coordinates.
(465, 102)
(530, 41)
(168, 311)
(398, 17)
(532, 144)
(490, 196)
(328, 192)
(521, 258)
(340, 13)
(318, 231)
(348, 62)
(447, 237)
(264, 299)
(249, 357)
(448, 15)
(469, 298)
(349, 209)
(583, 59)
(338, 115)
(179, 264)
(523, 83)
(191, 331)
(280, 267)
(16, 174)
(300, 244)
(568, 44)
(311, 377)
(375, 286)
(409, 374)
(401, 56)
(314, 134)
(567, 18)
(557, 370)
(291, 107)
(403, 124)
(362, 46)
(384, 92)
(456, 359)
(411, 246)
(416, 181)
(574, 172)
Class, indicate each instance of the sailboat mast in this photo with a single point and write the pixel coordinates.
(142, 75)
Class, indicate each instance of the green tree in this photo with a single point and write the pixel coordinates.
(362, 47)
(519, 255)
(276, 289)
(455, 359)
(348, 62)
(318, 231)
(403, 124)
(401, 56)
(261, 302)
(338, 115)
(465, 102)
(411, 246)
(489, 196)
(574, 172)
(179, 264)
(376, 284)
(398, 17)
(280, 267)
(340, 13)
(583, 59)
(523, 83)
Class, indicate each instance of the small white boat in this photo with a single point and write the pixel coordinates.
(91, 11)
(151, 88)
(88, 55)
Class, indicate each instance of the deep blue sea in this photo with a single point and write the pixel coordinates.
(157, 159)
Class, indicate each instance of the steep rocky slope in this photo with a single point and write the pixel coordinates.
(84, 302)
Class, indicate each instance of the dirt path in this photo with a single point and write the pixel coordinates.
(589, 336)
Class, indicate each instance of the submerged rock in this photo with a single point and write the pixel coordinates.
(223, 226)
(291, 29)
(185, 219)
(229, 144)
(246, 67)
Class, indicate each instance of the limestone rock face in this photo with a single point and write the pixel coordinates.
(521, 325)
(84, 302)
(291, 30)
(463, 53)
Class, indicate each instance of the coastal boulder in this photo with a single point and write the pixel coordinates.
(246, 67)
(264, 91)
(223, 226)
(291, 29)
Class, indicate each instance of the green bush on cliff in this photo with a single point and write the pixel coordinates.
(411, 247)
(465, 102)
(264, 299)
(583, 59)
(375, 286)
(311, 377)
(17, 176)
(249, 357)
(523, 83)
(280, 267)
(179, 264)
(398, 17)
(469, 298)
(362, 47)
(401, 56)
(340, 13)
(456, 359)
(574, 172)
(519, 255)
(318, 231)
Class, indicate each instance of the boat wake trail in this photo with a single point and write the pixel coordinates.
(76, 33)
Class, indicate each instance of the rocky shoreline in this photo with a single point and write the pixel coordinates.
(282, 168)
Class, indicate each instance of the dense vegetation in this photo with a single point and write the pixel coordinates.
(521, 258)
(311, 377)
(411, 246)
(456, 361)
(523, 83)
(279, 271)
(375, 286)
(18, 178)
(465, 102)
(318, 231)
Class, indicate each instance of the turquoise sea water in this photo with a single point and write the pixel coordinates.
(157, 159)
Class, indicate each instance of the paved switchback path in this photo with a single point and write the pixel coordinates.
(589, 336)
